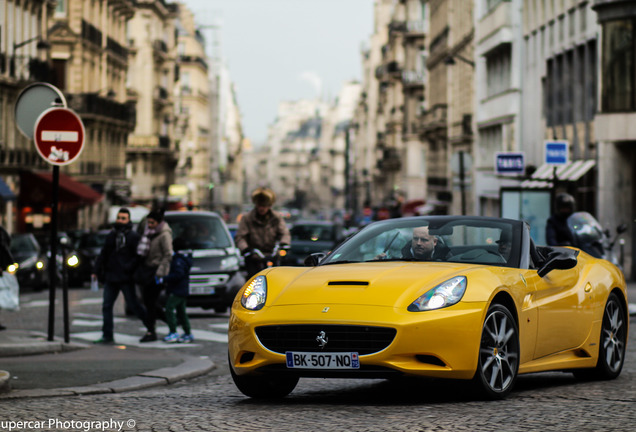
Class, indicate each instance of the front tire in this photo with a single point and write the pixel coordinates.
(613, 340)
(498, 363)
(264, 386)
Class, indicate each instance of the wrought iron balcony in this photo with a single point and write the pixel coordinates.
(194, 59)
(91, 33)
(93, 104)
(414, 28)
(413, 78)
(115, 47)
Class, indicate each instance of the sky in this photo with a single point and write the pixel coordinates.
(281, 50)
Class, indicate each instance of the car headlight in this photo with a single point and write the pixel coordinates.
(12, 268)
(255, 294)
(39, 265)
(445, 294)
(72, 261)
(230, 263)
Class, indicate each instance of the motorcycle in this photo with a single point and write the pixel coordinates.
(256, 260)
(591, 238)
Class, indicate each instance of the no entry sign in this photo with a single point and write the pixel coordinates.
(59, 136)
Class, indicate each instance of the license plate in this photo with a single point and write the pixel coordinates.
(201, 290)
(312, 360)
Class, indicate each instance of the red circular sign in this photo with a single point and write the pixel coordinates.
(59, 136)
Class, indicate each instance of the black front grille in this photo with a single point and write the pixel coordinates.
(340, 338)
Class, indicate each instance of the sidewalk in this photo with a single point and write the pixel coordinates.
(32, 366)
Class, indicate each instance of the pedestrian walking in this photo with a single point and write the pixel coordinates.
(115, 267)
(155, 250)
(177, 283)
(6, 258)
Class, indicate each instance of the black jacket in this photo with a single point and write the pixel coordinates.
(6, 258)
(177, 281)
(118, 259)
(557, 232)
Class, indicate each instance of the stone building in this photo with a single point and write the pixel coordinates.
(90, 62)
(193, 94)
(24, 55)
(151, 153)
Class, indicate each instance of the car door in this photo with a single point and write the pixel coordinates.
(564, 310)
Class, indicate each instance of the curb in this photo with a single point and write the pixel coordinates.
(190, 368)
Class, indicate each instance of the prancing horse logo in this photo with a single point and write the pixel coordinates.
(322, 339)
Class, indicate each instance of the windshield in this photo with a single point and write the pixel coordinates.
(24, 243)
(444, 239)
(200, 231)
(585, 228)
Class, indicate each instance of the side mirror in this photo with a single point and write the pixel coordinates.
(563, 259)
(314, 259)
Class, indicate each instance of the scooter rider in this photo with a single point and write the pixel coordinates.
(261, 228)
(557, 232)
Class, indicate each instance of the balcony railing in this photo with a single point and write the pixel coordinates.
(91, 33)
(26, 68)
(413, 78)
(194, 59)
(415, 28)
(92, 104)
(115, 47)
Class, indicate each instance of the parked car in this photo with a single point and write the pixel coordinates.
(309, 236)
(67, 258)
(32, 262)
(484, 305)
(215, 277)
(89, 246)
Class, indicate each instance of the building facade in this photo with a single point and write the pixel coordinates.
(151, 152)
(24, 55)
(615, 123)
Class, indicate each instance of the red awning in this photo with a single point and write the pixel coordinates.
(36, 187)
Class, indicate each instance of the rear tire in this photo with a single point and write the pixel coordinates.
(264, 386)
(498, 363)
(612, 343)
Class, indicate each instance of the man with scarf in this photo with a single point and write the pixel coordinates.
(115, 266)
(261, 229)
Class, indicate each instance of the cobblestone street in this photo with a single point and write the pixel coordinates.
(546, 402)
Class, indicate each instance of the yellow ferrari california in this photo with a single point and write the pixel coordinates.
(456, 297)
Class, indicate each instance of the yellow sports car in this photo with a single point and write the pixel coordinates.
(457, 297)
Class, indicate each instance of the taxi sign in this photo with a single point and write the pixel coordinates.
(509, 163)
(59, 136)
(556, 152)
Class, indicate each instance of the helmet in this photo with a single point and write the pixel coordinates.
(264, 197)
(565, 200)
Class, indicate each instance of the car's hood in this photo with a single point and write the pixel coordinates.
(382, 284)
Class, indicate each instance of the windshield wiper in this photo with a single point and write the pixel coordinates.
(392, 259)
(341, 262)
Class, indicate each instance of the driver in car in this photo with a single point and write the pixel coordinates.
(423, 247)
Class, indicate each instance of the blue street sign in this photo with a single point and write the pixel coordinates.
(556, 152)
(509, 163)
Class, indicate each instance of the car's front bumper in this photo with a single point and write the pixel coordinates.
(442, 343)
